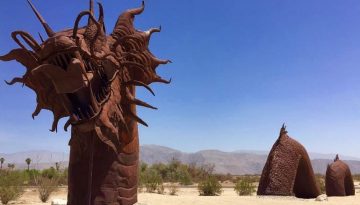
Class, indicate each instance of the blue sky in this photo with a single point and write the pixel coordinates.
(241, 68)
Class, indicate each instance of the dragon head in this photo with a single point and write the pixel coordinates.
(83, 74)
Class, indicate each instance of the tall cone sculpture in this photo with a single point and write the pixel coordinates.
(90, 78)
(338, 180)
(288, 170)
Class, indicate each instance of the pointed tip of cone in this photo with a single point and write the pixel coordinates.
(283, 130)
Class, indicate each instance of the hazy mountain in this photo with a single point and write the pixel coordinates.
(237, 162)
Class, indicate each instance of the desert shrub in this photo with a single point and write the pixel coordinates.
(245, 186)
(143, 166)
(141, 173)
(200, 173)
(175, 171)
(173, 189)
(151, 179)
(50, 173)
(162, 169)
(63, 177)
(46, 186)
(11, 185)
(160, 189)
(183, 176)
(321, 182)
(210, 187)
(31, 176)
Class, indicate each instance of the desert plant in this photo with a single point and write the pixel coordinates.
(63, 177)
(321, 182)
(11, 185)
(28, 162)
(160, 189)
(173, 189)
(244, 187)
(183, 176)
(200, 173)
(210, 187)
(50, 173)
(32, 175)
(151, 179)
(46, 186)
(2, 160)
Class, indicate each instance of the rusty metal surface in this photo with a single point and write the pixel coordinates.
(90, 78)
(338, 180)
(288, 170)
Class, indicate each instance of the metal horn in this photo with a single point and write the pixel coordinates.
(47, 28)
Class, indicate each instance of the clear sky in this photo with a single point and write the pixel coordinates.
(241, 68)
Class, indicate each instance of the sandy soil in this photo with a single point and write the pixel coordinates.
(189, 196)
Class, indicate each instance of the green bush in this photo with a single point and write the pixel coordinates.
(210, 187)
(183, 176)
(31, 176)
(46, 186)
(151, 179)
(50, 173)
(11, 185)
(200, 173)
(244, 187)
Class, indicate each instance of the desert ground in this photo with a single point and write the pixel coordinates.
(188, 196)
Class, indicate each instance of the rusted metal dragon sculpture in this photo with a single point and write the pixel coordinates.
(83, 74)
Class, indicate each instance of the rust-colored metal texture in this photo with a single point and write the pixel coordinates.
(89, 77)
(288, 170)
(338, 180)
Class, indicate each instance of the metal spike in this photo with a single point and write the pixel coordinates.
(15, 80)
(141, 103)
(67, 124)
(41, 38)
(138, 83)
(55, 123)
(37, 111)
(137, 11)
(160, 80)
(47, 28)
(138, 119)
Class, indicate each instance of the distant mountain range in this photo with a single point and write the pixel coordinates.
(238, 162)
